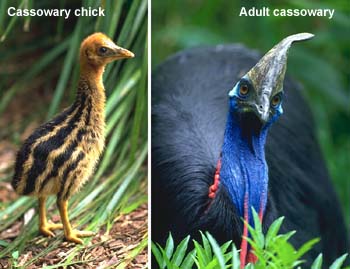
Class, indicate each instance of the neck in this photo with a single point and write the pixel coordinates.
(93, 73)
(91, 84)
(91, 89)
(244, 171)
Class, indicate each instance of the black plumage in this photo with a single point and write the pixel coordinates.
(189, 112)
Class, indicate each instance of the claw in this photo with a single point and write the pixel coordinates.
(48, 228)
(75, 234)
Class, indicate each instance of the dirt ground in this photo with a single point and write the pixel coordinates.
(102, 252)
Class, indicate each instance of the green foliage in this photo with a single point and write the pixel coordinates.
(166, 258)
(118, 185)
(15, 256)
(321, 64)
(273, 251)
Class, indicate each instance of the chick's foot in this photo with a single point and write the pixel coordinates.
(48, 228)
(75, 235)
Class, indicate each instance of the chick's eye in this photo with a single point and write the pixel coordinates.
(243, 90)
(102, 50)
(276, 100)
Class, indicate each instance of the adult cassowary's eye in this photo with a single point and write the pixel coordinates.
(102, 50)
(276, 100)
(243, 90)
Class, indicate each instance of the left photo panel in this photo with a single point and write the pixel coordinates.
(73, 134)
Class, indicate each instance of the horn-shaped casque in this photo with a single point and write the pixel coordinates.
(268, 73)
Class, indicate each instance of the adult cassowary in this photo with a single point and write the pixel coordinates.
(216, 151)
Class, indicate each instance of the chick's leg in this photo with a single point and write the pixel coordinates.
(44, 227)
(70, 234)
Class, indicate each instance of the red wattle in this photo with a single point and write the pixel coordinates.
(213, 188)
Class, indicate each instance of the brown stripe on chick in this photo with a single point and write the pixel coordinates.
(29, 162)
(25, 151)
(61, 159)
(70, 143)
(62, 195)
(43, 149)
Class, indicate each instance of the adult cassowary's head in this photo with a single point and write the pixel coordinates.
(260, 91)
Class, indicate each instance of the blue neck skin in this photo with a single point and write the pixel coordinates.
(243, 166)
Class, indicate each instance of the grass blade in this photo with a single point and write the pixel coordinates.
(338, 262)
(216, 250)
(180, 251)
(317, 264)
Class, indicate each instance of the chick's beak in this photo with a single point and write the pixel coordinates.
(121, 53)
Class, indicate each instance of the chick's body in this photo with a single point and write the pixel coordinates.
(60, 156)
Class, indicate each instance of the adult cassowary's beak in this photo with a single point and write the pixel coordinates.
(267, 75)
(262, 108)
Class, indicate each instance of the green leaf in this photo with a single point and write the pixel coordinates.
(157, 254)
(166, 261)
(273, 230)
(15, 254)
(207, 247)
(235, 258)
(213, 264)
(225, 246)
(284, 250)
(201, 255)
(286, 236)
(180, 251)
(11, 23)
(169, 247)
(3, 243)
(306, 247)
(256, 232)
(189, 260)
(227, 257)
(338, 262)
(216, 250)
(317, 264)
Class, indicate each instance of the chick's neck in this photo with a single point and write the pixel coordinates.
(91, 84)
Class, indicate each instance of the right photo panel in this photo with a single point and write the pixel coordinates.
(250, 134)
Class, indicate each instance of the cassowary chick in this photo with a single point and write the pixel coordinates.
(60, 155)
